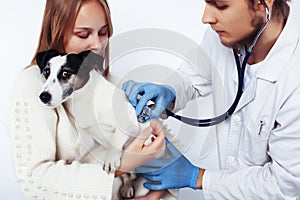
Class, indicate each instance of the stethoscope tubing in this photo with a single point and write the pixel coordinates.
(241, 73)
(229, 112)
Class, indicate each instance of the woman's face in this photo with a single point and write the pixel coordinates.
(90, 31)
(233, 20)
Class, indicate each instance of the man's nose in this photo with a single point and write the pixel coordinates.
(208, 16)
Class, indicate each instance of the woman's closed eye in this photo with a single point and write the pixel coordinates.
(82, 34)
(103, 31)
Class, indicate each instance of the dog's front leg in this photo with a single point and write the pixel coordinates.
(113, 155)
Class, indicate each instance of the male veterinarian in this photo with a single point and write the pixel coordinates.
(259, 151)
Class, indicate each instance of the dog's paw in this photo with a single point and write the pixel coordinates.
(112, 162)
(127, 191)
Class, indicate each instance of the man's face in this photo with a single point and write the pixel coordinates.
(235, 21)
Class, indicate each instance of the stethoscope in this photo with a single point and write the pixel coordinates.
(241, 72)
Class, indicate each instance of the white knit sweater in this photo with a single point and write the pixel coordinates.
(45, 145)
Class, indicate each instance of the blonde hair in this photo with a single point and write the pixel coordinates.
(58, 23)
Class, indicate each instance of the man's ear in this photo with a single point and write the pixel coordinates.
(268, 2)
(43, 57)
(263, 3)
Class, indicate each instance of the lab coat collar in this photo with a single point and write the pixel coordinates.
(281, 52)
(275, 61)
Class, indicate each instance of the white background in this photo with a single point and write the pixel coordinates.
(20, 27)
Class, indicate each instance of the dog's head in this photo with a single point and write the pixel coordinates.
(65, 73)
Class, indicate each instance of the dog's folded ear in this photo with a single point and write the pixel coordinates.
(92, 59)
(43, 57)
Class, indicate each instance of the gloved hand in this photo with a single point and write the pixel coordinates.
(162, 95)
(167, 173)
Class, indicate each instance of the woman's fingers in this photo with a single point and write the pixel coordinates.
(158, 141)
(137, 153)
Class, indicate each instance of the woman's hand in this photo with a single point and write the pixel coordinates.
(137, 153)
(151, 195)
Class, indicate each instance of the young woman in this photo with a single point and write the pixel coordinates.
(45, 141)
(259, 142)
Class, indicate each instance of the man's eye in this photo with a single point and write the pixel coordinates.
(218, 5)
(221, 6)
(46, 72)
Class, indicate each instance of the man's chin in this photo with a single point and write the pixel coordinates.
(230, 44)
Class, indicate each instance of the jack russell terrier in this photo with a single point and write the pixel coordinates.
(104, 118)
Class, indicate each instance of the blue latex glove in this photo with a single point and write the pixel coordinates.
(168, 173)
(162, 95)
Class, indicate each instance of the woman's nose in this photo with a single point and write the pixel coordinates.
(208, 15)
(98, 45)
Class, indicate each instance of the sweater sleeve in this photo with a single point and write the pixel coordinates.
(41, 173)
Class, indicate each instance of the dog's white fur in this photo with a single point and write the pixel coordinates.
(113, 126)
(105, 120)
(107, 117)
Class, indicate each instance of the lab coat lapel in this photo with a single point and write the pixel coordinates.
(248, 94)
(271, 68)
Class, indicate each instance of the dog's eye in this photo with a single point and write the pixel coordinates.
(46, 72)
(66, 74)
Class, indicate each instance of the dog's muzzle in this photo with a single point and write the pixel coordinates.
(45, 97)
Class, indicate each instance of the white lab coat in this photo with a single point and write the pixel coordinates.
(260, 142)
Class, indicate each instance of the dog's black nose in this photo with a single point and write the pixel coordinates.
(45, 97)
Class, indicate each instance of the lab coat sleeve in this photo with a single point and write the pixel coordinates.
(192, 79)
(277, 179)
(40, 174)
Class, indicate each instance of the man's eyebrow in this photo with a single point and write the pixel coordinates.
(210, 1)
(215, 1)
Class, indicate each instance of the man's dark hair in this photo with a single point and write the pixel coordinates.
(280, 9)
